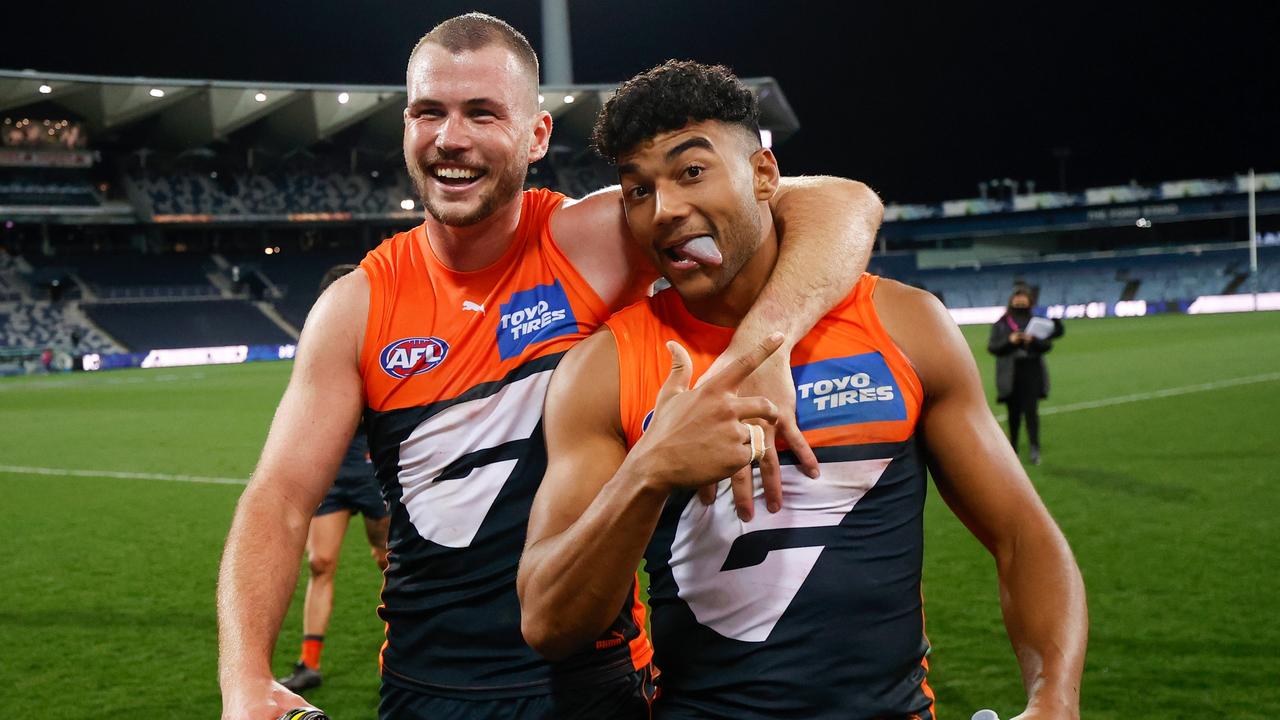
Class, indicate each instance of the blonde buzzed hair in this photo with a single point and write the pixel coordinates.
(476, 30)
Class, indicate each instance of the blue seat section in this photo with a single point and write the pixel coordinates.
(132, 275)
(143, 326)
(7, 291)
(47, 325)
(141, 270)
(1186, 277)
(47, 193)
(296, 274)
(270, 194)
(896, 265)
(1149, 277)
(1268, 271)
(1058, 283)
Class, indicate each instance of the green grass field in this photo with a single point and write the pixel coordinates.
(1170, 500)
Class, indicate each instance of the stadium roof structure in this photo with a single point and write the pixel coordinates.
(184, 113)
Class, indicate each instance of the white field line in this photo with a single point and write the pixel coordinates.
(63, 472)
(54, 382)
(1073, 407)
(1154, 394)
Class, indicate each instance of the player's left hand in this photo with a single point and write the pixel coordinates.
(772, 380)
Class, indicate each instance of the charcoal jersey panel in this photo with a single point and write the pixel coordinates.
(814, 611)
(455, 368)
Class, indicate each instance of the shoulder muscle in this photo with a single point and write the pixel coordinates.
(321, 405)
(583, 396)
(593, 234)
(585, 445)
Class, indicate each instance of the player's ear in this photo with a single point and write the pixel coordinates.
(541, 136)
(765, 174)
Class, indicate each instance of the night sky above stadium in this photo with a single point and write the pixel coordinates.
(921, 100)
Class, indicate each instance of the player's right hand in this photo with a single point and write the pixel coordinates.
(699, 436)
(267, 700)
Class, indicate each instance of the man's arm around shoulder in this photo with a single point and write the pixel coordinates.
(826, 229)
(592, 233)
(827, 225)
(312, 427)
(980, 478)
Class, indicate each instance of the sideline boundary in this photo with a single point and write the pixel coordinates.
(118, 475)
(1153, 395)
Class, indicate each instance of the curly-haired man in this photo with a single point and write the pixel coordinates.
(814, 611)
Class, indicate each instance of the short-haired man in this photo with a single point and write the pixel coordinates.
(445, 340)
(815, 611)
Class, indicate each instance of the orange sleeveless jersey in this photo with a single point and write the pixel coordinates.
(814, 611)
(455, 368)
(851, 328)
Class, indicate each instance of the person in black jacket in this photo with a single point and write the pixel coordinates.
(1022, 379)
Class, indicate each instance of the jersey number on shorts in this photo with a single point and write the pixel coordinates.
(739, 579)
(454, 463)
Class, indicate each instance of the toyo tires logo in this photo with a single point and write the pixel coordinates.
(412, 356)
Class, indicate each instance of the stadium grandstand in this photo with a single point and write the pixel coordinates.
(141, 215)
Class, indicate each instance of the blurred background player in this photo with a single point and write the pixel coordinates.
(1022, 378)
(354, 491)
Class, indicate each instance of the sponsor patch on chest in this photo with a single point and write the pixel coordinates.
(534, 315)
(847, 391)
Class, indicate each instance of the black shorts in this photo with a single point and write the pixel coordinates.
(629, 697)
(355, 494)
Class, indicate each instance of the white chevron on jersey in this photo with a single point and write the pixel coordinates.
(450, 512)
(745, 603)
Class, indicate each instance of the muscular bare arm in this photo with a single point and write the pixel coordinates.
(312, 427)
(585, 451)
(593, 234)
(1041, 591)
(826, 227)
(597, 505)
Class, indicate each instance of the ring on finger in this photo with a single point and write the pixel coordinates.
(757, 443)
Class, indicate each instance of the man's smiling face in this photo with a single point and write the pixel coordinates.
(472, 127)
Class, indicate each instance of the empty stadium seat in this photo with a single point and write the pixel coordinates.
(1159, 277)
(52, 325)
(195, 323)
(269, 194)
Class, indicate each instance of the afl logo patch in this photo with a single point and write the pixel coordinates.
(412, 356)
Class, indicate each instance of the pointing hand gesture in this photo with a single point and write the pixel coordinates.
(700, 436)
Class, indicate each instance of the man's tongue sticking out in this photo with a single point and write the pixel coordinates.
(701, 250)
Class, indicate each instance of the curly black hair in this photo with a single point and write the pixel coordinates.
(668, 97)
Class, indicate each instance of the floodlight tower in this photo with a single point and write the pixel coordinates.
(557, 52)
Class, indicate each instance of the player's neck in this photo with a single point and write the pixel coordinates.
(475, 247)
(728, 307)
